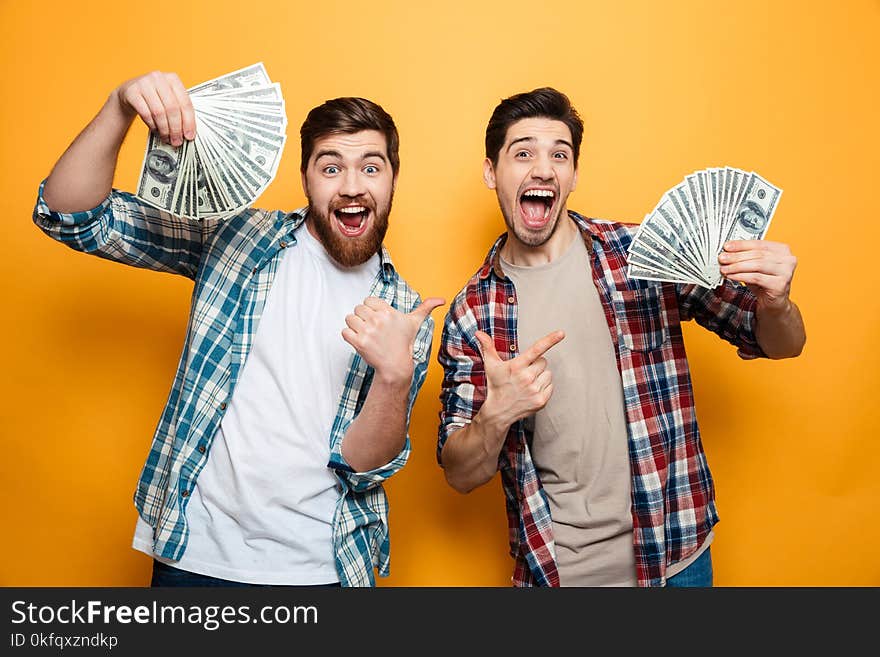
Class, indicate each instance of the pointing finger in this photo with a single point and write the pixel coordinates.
(542, 346)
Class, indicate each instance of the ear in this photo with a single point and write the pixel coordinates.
(305, 185)
(489, 173)
(394, 183)
(574, 181)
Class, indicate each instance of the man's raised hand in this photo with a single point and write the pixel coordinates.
(163, 103)
(518, 387)
(384, 336)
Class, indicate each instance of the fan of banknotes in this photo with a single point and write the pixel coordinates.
(679, 241)
(240, 135)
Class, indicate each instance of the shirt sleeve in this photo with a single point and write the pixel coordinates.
(363, 481)
(727, 310)
(463, 389)
(124, 229)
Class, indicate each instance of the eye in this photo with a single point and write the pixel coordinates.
(331, 169)
(371, 169)
(521, 154)
(560, 155)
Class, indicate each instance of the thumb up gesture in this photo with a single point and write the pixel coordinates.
(384, 336)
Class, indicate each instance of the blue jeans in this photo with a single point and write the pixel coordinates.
(698, 574)
(165, 575)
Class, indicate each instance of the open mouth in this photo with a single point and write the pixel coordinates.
(535, 206)
(352, 219)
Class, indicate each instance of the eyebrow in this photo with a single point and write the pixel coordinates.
(337, 154)
(565, 142)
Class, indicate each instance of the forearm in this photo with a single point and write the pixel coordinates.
(470, 455)
(378, 433)
(83, 176)
(780, 332)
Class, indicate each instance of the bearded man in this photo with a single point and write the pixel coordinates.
(268, 461)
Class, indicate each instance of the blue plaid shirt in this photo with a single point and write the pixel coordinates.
(233, 262)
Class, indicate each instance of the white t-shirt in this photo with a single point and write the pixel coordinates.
(262, 508)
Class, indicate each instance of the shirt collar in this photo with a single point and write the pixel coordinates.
(588, 230)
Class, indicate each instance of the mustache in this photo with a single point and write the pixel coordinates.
(365, 201)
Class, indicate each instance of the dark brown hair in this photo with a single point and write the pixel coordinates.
(546, 103)
(347, 116)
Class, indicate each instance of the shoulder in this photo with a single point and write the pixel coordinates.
(615, 231)
(468, 304)
(614, 236)
(251, 227)
(406, 296)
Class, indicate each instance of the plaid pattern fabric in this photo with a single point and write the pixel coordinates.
(673, 499)
(233, 263)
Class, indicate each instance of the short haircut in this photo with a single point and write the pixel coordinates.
(347, 116)
(545, 103)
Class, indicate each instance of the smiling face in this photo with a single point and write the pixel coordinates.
(349, 183)
(534, 174)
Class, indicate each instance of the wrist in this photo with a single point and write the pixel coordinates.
(780, 308)
(118, 107)
(491, 421)
(395, 378)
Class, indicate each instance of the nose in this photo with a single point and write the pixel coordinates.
(542, 168)
(352, 183)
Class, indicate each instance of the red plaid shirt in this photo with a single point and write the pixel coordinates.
(673, 497)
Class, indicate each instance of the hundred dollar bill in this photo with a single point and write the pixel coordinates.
(751, 218)
(679, 241)
(250, 76)
(240, 136)
(160, 173)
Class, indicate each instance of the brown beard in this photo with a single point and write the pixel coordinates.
(350, 251)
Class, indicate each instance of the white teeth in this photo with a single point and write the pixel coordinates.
(352, 209)
(540, 192)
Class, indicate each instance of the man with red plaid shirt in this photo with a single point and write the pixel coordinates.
(572, 380)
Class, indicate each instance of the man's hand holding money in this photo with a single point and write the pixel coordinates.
(163, 103)
(766, 267)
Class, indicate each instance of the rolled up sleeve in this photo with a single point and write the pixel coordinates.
(463, 389)
(124, 229)
(366, 480)
(727, 310)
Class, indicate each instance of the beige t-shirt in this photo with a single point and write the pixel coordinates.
(580, 438)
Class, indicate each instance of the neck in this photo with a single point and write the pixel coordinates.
(310, 227)
(517, 253)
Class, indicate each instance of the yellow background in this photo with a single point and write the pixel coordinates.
(788, 89)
